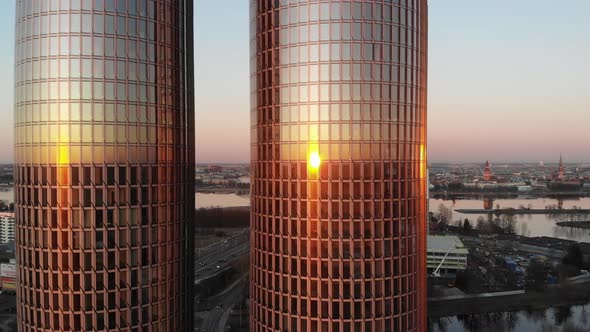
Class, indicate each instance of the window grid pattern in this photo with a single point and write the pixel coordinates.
(104, 165)
(340, 248)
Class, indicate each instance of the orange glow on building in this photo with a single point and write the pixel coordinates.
(422, 160)
(63, 155)
(104, 165)
(338, 127)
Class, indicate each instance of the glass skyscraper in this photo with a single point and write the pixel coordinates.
(338, 123)
(104, 168)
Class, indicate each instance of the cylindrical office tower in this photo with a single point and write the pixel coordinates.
(104, 168)
(338, 121)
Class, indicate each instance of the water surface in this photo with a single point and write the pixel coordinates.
(528, 224)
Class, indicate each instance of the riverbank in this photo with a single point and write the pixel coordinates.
(508, 301)
(223, 217)
(574, 224)
(509, 194)
(522, 211)
(223, 191)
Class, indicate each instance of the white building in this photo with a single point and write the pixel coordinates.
(6, 227)
(447, 249)
(244, 180)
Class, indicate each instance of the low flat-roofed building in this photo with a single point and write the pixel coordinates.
(439, 246)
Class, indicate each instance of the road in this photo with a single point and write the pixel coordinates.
(220, 256)
(219, 246)
(217, 317)
(210, 265)
(7, 313)
(7, 322)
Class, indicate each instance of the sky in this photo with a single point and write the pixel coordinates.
(508, 80)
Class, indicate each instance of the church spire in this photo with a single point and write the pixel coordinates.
(561, 172)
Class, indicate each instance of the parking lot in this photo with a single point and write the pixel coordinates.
(495, 267)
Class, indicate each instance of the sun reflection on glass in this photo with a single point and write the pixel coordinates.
(314, 160)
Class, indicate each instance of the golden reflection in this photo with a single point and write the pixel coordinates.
(63, 157)
(422, 161)
(314, 160)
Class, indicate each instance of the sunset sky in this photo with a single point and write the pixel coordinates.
(508, 80)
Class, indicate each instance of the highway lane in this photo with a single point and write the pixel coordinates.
(222, 244)
(225, 254)
(220, 254)
(207, 268)
(220, 247)
(217, 317)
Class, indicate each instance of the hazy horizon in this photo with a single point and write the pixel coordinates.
(503, 84)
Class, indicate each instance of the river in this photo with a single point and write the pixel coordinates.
(201, 200)
(567, 318)
(528, 224)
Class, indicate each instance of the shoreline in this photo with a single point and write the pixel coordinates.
(507, 194)
(508, 301)
(521, 211)
(574, 224)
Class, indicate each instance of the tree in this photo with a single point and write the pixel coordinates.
(462, 280)
(508, 223)
(524, 229)
(467, 226)
(481, 223)
(574, 257)
(562, 314)
(535, 276)
(445, 214)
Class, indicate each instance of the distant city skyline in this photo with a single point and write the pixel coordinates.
(518, 70)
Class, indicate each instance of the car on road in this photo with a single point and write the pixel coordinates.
(218, 266)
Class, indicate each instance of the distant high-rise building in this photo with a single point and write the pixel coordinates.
(6, 227)
(104, 171)
(487, 171)
(338, 226)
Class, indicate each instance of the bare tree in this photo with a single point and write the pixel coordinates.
(524, 229)
(481, 223)
(445, 214)
(508, 223)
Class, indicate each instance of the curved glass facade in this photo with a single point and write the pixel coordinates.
(338, 122)
(104, 167)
